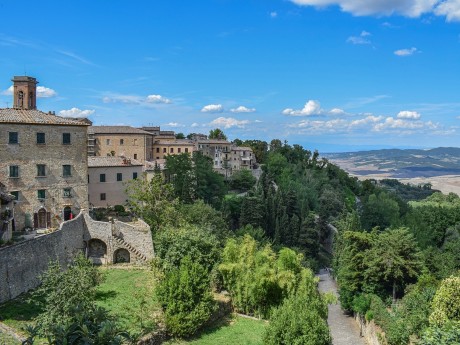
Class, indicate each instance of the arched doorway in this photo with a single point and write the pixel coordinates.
(41, 218)
(121, 256)
(67, 213)
(97, 251)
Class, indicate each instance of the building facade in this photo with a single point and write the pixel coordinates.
(124, 141)
(107, 177)
(43, 161)
(162, 148)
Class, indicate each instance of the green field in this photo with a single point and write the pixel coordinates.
(126, 293)
(231, 331)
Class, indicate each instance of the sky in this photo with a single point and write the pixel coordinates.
(332, 75)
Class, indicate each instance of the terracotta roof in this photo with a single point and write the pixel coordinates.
(175, 142)
(111, 161)
(37, 117)
(213, 141)
(241, 148)
(116, 130)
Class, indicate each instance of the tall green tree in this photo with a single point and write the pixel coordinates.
(217, 134)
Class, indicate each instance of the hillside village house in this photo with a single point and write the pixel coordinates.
(124, 141)
(162, 148)
(107, 177)
(43, 160)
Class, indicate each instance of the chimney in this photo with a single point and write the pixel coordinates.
(24, 92)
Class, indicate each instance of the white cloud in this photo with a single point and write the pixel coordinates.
(370, 119)
(158, 99)
(75, 112)
(409, 8)
(212, 108)
(174, 124)
(243, 109)
(361, 39)
(42, 92)
(450, 9)
(45, 92)
(228, 122)
(195, 124)
(406, 52)
(274, 14)
(311, 108)
(410, 115)
(134, 99)
(337, 111)
(403, 124)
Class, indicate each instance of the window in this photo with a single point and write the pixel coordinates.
(135, 156)
(66, 170)
(66, 138)
(102, 196)
(178, 150)
(122, 141)
(41, 194)
(67, 193)
(41, 170)
(14, 170)
(15, 194)
(119, 177)
(102, 178)
(107, 141)
(186, 149)
(158, 157)
(164, 149)
(13, 138)
(40, 138)
(134, 175)
(158, 150)
(171, 150)
(88, 178)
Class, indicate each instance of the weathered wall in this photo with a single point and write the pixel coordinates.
(370, 331)
(138, 235)
(23, 263)
(53, 154)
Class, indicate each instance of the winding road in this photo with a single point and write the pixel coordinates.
(344, 329)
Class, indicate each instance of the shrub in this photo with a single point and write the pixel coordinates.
(301, 318)
(186, 298)
(119, 208)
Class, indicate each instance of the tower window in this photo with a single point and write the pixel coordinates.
(135, 156)
(67, 192)
(102, 196)
(40, 138)
(102, 178)
(66, 170)
(41, 194)
(119, 177)
(41, 170)
(13, 138)
(14, 170)
(122, 141)
(66, 138)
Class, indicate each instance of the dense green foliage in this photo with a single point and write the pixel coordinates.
(69, 311)
(301, 318)
(186, 298)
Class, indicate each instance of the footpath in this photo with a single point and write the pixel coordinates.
(344, 329)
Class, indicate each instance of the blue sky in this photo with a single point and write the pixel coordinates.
(336, 75)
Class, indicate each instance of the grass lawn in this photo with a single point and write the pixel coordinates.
(126, 293)
(7, 340)
(234, 330)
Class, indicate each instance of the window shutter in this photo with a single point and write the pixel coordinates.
(48, 219)
(35, 220)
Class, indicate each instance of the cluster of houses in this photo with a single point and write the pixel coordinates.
(52, 167)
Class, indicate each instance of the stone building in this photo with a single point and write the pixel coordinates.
(242, 158)
(107, 177)
(162, 148)
(124, 141)
(219, 151)
(43, 160)
(6, 214)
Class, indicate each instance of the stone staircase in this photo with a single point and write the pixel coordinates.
(130, 248)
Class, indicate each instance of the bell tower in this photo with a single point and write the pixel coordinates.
(25, 92)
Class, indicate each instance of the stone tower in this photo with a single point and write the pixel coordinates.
(25, 92)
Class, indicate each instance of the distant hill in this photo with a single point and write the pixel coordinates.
(398, 163)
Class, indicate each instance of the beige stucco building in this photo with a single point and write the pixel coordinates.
(43, 161)
(107, 177)
(162, 148)
(124, 141)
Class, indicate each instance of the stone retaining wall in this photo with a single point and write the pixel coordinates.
(370, 331)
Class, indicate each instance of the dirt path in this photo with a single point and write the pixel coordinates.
(344, 329)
